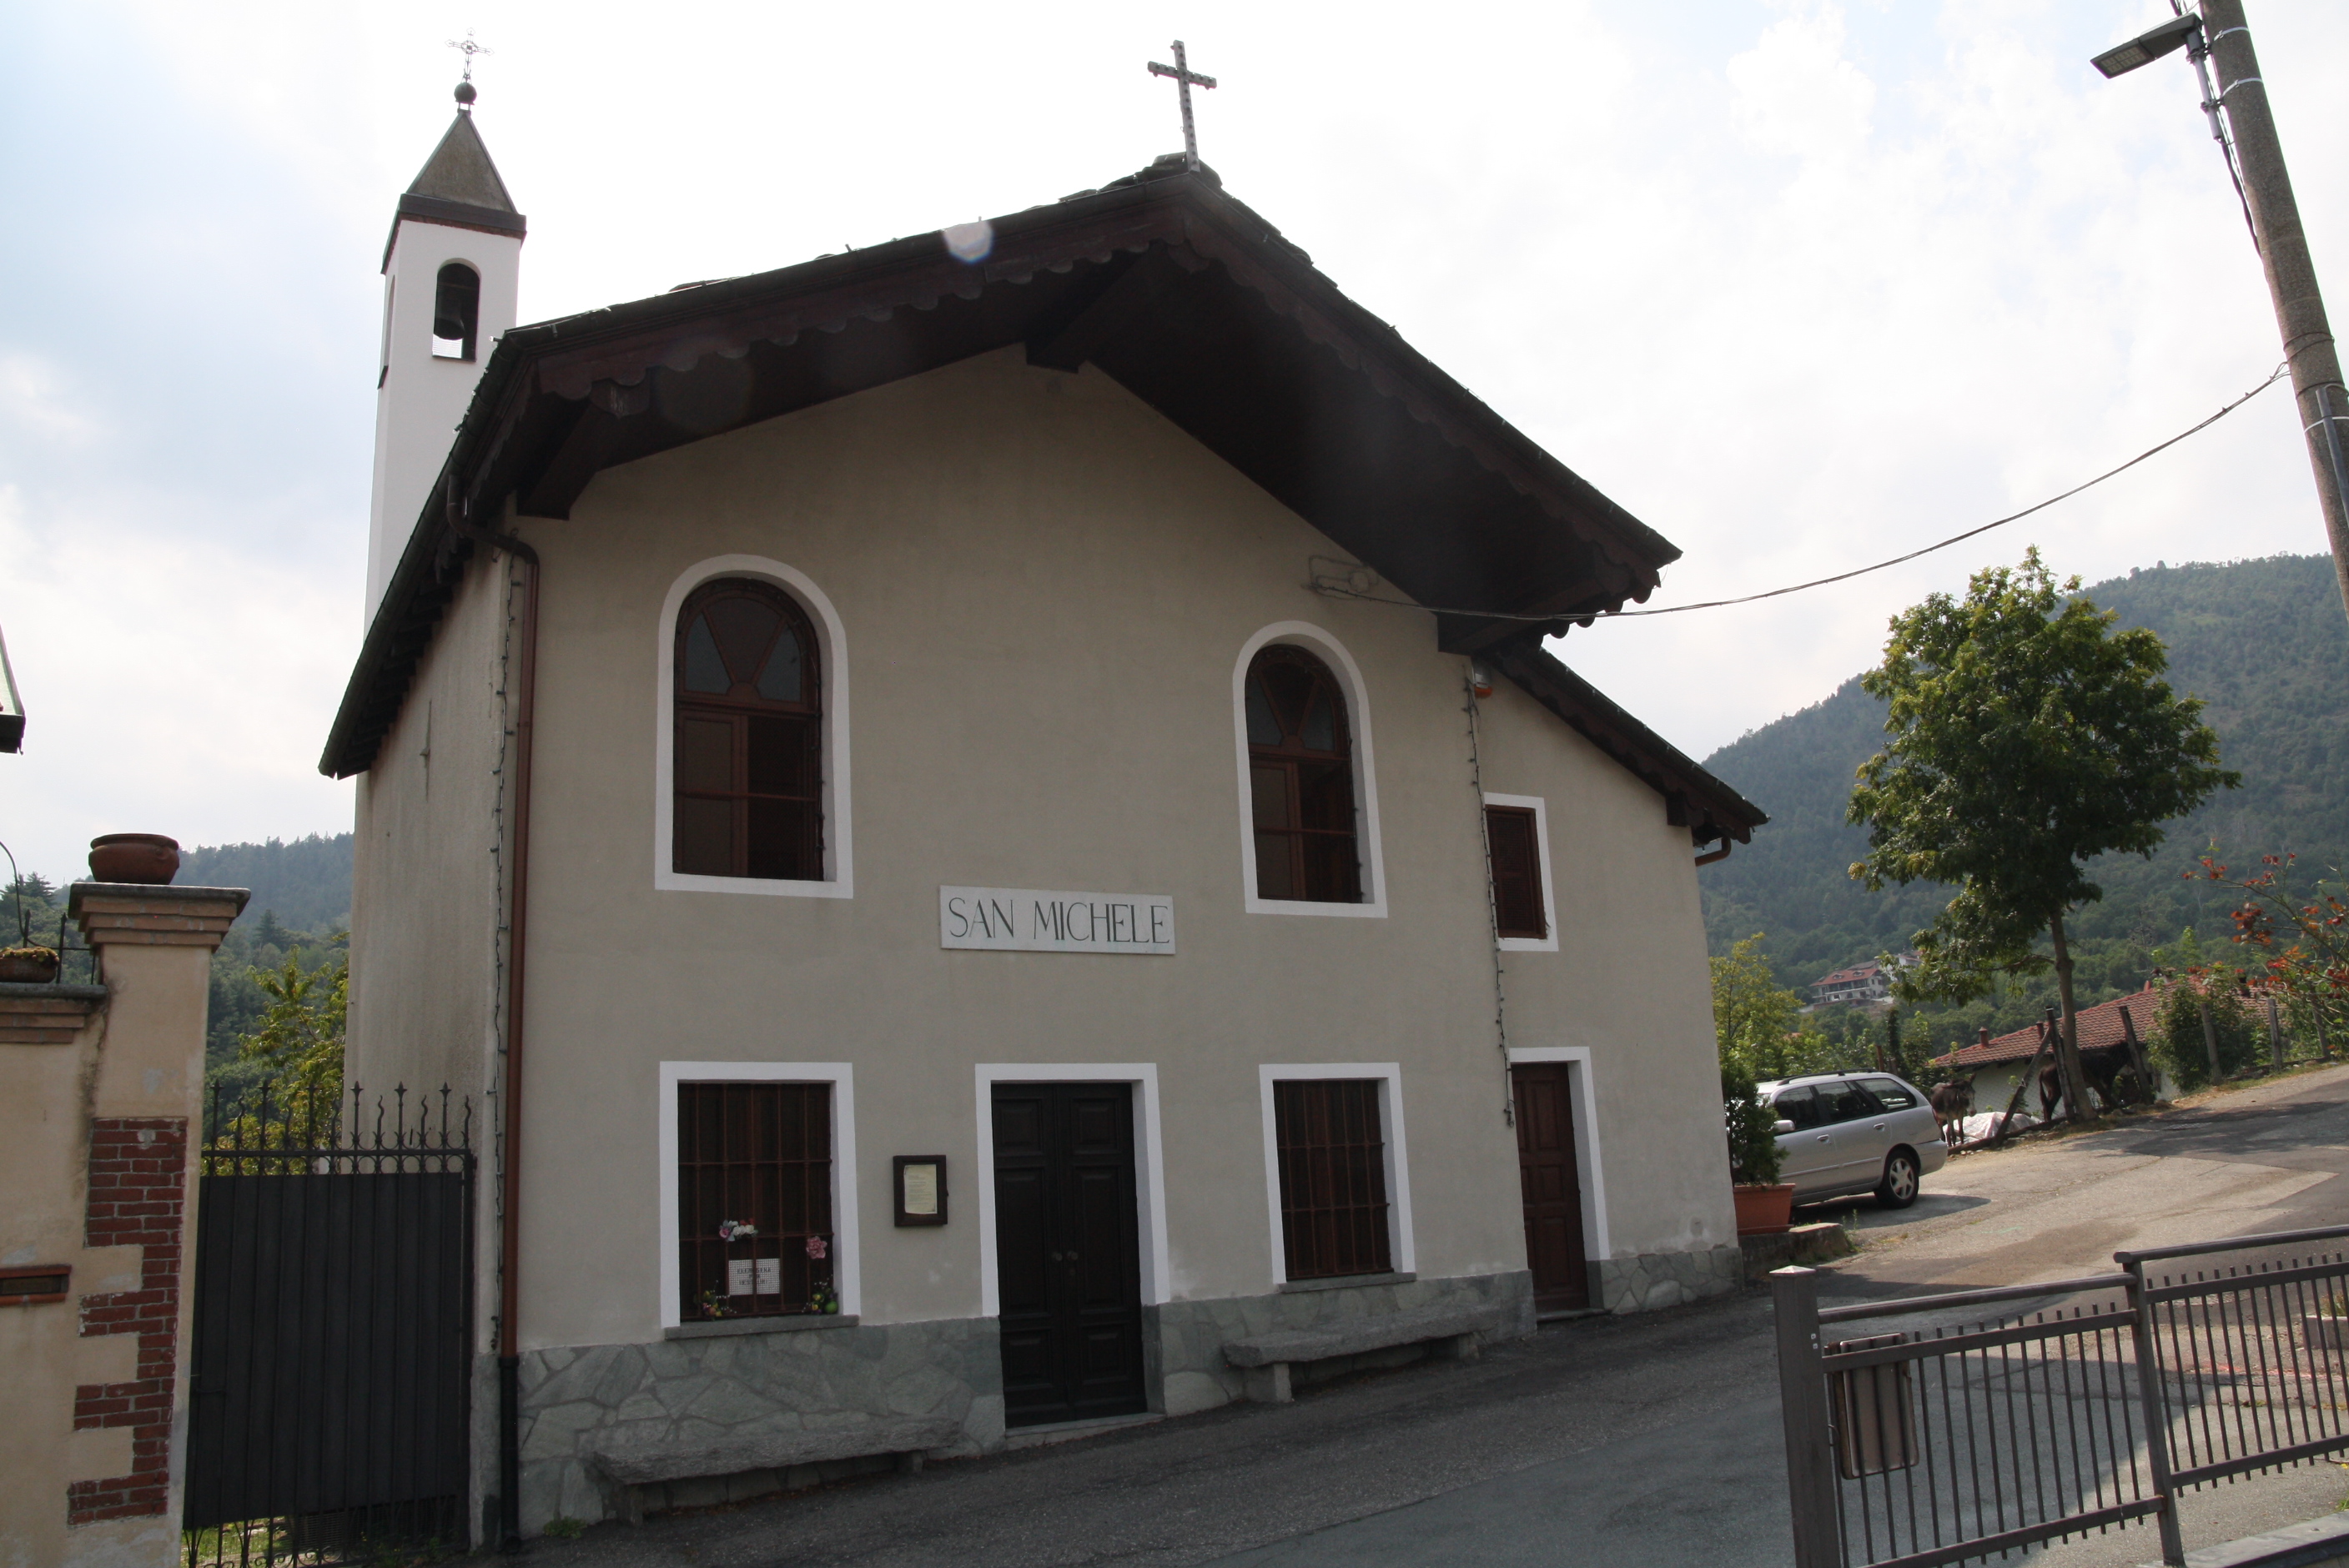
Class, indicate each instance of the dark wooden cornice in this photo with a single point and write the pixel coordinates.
(1693, 798)
(1161, 281)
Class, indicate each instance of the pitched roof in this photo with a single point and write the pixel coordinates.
(459, 185)
(2100, 1029)
(1857, 972)
(1185, 297)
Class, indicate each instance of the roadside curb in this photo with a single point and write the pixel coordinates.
(2313, 1544)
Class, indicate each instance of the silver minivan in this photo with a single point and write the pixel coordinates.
(1855, 1132)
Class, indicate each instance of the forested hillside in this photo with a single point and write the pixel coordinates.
(2263, 642)
(300, 908)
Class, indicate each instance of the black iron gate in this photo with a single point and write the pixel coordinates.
(330, 1367)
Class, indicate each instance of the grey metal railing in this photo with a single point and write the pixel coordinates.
(1982, 1430)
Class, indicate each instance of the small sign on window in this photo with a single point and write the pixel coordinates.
(754, 1276)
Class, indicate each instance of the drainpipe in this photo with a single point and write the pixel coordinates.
(524, 678)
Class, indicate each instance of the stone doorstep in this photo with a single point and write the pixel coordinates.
(1817, 1242)
(621, 1471)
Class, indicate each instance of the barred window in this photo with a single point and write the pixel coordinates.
(754, 1200)
(1300, 780)
(1333, 1177)
(1510, 837)
(749, 756)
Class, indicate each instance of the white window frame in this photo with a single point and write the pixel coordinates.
(1590, 1169)
(847, 1277)
(1149, 1167)
(1314, 640)
(1402, 1251)
(838, 880)
(1540, 810)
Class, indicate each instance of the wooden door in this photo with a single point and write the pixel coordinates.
(1067, 1259)
(1552, 1186)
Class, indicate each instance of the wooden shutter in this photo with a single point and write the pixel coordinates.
(1333, 1177)
(1509, 831)
(758, 1154)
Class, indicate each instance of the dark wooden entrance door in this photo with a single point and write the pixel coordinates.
(1552, 1185)
(1067, 1259)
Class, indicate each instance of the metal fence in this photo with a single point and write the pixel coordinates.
(1986, 1429)
(330, 1363)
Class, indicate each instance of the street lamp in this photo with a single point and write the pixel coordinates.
(2146, 48)
(2244, 125)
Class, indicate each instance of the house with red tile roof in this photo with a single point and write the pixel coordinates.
(1994, 1062)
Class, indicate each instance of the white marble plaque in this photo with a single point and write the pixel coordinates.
(740, 1274)
(1025, 920)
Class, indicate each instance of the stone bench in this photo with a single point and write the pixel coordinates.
(619, 1471)
(1266, 1358)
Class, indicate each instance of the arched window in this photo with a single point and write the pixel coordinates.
(456, 312)
(749, 750)
(1300, 780)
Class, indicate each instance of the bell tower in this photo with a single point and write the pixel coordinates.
(451, 272)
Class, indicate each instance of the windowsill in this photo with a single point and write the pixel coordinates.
(777, 1323)
(1341, 1282)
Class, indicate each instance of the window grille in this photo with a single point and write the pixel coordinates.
(754, 1198)
(748, 745)
(1300, 780)
(1333, 1177)
(1511, 838)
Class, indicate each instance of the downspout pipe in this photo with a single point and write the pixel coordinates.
(524, 678)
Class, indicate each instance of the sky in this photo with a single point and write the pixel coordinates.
(1800, 285)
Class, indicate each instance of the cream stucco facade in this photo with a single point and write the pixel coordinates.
(1039, 593)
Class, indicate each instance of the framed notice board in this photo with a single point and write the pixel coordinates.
(921, 1188)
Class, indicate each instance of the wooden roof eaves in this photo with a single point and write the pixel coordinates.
(1713, 809)
(605, 354)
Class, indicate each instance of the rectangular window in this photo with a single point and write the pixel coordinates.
(1333, 1177)
(1511, 837)
(754, 1200)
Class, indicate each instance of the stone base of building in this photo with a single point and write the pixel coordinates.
(732, 1391)
(1649, 1282)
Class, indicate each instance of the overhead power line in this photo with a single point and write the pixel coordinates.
(1337, 588)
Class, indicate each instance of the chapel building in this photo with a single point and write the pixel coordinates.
(914, 795)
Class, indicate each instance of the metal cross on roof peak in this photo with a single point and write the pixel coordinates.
(1185, 78)
(469, 50)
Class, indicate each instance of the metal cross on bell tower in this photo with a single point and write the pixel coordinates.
(468, 49)
(1185, 78)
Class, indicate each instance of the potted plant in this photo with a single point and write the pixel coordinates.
(29, 965)
(1764, 1204)
(147, 858)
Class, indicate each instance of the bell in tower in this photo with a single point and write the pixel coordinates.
(451, 276)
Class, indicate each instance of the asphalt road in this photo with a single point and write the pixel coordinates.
(1650, 1439)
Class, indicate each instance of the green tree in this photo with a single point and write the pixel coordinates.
(298, 1046)
(2025, 738)
(1758, 1024)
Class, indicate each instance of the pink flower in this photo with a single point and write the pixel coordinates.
(815, 1246)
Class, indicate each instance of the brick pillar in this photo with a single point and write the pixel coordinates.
(138, 1198)
(99, 1087)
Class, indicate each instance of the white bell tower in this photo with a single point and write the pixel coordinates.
(451, 272)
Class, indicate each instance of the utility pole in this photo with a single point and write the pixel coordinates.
(2308, 343)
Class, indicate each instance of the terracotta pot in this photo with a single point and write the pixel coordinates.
(28, 966)
(149, 857)
(1764, 1210)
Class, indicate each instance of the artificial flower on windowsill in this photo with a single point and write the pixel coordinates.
(820, 1299)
